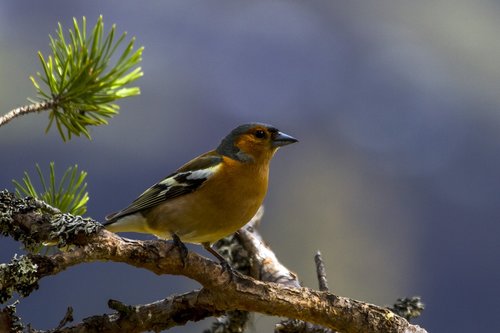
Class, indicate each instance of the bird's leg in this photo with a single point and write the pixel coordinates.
(209, 248)
(181, 247)
(225, 265)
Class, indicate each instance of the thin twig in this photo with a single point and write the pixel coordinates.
(321, 272)
(36, 107)
(68, 318)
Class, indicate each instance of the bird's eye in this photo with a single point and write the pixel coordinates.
(260, 134)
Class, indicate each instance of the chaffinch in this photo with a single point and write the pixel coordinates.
(211, 196)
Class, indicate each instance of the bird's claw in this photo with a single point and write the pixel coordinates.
(223, 262)
(226, 267)
(181, 247)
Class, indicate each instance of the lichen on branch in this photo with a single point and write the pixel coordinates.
(20, 276)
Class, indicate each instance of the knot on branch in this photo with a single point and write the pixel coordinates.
(408, 307)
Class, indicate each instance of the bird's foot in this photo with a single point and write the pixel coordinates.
(181, 247)
(223, 262)
(226, 267)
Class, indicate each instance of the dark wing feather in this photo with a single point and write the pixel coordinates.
(185, 180)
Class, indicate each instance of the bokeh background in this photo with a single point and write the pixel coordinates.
(396, 178)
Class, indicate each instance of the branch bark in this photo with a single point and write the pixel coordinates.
(221, 292)
(20, 111)
(173, 311)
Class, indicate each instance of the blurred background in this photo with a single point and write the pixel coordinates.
(396, 177)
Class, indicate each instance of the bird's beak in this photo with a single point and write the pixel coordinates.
(282, 139)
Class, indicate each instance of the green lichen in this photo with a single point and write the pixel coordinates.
(66, 228)
(20, 276)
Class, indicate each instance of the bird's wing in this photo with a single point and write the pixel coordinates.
(185, 180)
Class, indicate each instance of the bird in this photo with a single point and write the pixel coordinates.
(211, 196)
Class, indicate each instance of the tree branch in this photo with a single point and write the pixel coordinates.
(173, 311)
(221, 291)
(23, 110)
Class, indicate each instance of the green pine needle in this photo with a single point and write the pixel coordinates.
(80, 77)
(68, 195)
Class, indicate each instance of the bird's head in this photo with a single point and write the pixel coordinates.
(253, 142)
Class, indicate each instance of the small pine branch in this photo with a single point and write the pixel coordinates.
(68, 195)
(31, 108)
(79, 82)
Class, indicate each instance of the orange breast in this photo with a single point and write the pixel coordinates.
(221, 206)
